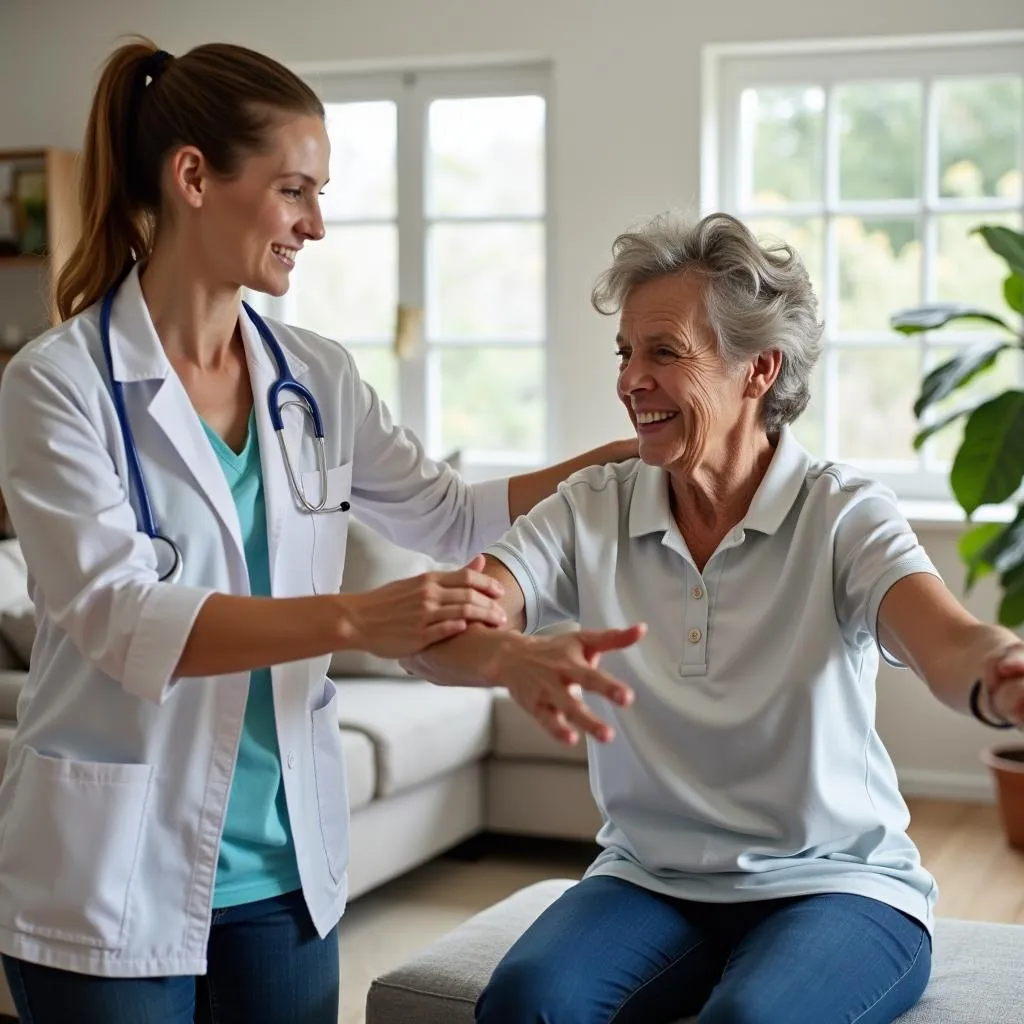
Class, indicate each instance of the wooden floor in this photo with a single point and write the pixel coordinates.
(980, 877)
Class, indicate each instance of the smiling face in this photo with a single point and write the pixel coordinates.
(681, 396)
(249, 228)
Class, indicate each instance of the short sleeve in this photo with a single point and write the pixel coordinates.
(875, 547)
(540, 552)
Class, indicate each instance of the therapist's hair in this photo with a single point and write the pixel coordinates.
(757, 297)
(222, 99)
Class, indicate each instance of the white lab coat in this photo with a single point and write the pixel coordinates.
(117, 783)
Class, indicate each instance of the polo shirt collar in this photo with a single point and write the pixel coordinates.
(650, 512)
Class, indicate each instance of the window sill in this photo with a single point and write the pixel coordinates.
(950, 516)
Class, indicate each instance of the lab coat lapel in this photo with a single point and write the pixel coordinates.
(173, 412)
(277, 491)
(138, 356)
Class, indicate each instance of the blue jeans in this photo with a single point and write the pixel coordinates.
(609, 951)
(266, 965)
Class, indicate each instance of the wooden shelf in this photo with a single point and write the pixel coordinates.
(63, 225)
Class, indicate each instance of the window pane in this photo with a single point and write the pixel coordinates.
(979, 123)
(783, 133)
(1008, 372)
(346, 285)
(879, 267)
(810, 426)
(491, 399)
(486, 157)
(379, 368)
(363, 176)
(879, 140)
(877, 388)
(486, 282)
(805, 235)
(966, 270)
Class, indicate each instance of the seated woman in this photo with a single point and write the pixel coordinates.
(755, 863)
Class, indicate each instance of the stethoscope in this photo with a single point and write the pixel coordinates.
(169, 557)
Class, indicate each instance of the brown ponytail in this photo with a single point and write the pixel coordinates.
(220, 98)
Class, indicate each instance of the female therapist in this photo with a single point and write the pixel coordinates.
(180, 473)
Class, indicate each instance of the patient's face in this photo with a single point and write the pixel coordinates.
(679, 393)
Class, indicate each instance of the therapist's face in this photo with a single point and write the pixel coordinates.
(253, 225)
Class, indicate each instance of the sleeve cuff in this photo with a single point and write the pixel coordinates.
(165, 622)
(515, 564)
(490, 512)
(909, 565)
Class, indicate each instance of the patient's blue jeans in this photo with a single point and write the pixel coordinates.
(266, 965)
(609, 951)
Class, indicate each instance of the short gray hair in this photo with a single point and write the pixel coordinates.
(757, 297)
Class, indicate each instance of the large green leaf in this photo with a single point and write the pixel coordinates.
(1013, 292)
(956, 372)
(1011, 608)
(989, 466)
(1006, 552)
(938, 314)
(1005, 242)
(940, 424)
(972, 546)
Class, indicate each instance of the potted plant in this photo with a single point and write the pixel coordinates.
(988, 468)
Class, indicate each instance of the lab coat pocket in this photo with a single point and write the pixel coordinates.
(331, 783)
(70, 845)
(329, 526)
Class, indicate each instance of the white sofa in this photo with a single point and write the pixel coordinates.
(428, 766)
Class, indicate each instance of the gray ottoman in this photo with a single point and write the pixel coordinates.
(977, 975)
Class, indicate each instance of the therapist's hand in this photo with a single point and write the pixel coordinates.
(546, 676)
(402, 618)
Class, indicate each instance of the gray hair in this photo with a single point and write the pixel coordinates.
(757, 297)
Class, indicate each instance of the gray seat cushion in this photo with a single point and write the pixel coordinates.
(976, 977)
(419, 731)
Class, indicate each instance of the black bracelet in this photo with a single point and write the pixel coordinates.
(978, 714)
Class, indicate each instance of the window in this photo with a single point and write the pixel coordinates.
(876, 161)
(434, 269)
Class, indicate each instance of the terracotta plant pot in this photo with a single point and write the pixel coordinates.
(1007, 767)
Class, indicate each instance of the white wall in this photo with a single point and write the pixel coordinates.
(626, 104)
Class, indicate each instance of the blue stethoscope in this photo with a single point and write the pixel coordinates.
(169, 557)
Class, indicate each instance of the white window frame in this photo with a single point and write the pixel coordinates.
(729, 69)
(413, 90)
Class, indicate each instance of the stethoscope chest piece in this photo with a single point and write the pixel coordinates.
(168, 559)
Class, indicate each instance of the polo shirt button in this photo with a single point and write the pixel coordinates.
(291, 758)
(697, 593)
(694, 636)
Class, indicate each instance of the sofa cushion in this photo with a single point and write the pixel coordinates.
(11, 683)
(18, 631)
(6, 738)
(520, 737)
(360, 767)
(420, 731)
(13, 575)
(371, 561)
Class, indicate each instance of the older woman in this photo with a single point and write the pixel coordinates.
(755, 866)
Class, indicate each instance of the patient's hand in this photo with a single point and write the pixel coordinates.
(546, 676)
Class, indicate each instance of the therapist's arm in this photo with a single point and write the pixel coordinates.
(529, 489)
(95, 573)
(234, 634)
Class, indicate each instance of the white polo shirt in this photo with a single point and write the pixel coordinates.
(748, 767)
